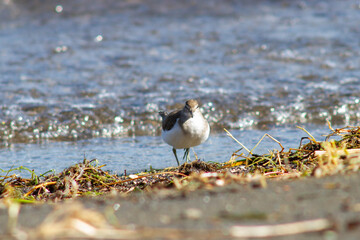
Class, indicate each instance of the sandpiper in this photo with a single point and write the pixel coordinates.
(185, 128)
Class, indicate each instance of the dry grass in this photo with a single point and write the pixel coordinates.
(71, 221)
(88, 178)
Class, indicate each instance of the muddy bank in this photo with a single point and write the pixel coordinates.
(211, 214)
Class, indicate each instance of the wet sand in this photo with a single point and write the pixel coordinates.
(211, 214)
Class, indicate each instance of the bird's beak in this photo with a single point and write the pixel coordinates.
(189, 110)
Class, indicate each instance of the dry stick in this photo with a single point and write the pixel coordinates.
(272, 138)
(277, 174)
(329, 124)
(13, 176)
(251, 152)
(277, 230)
(279, 158)
(230, 135)
(338, 131)
(39, 186)
(311, 136)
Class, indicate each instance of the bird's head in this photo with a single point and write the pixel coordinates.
(191, 106)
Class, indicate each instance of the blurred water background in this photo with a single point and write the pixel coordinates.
(80, 78)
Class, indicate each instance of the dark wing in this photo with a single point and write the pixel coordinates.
(170, 120)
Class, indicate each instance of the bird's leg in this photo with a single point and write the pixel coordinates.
(186, 154)
(177, 160)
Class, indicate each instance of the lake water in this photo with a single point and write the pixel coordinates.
(89, 78)
(141, 153)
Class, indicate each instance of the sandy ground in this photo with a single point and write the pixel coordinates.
(211, 214)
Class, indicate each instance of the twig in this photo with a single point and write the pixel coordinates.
(262, 231)
(329, 124)
(251, 151)
(230, 135)
(268, 135)
(279, 158)
(39, 186)
(311, 136)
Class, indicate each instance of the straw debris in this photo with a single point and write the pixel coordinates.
(313, 158)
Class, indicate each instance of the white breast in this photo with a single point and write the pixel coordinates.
(196, 131)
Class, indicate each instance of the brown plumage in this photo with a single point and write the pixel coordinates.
(169, 120)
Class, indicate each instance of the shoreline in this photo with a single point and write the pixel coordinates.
(310, 192)
(174, 214)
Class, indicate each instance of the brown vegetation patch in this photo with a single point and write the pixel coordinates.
(197, 167)
(88, 178)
